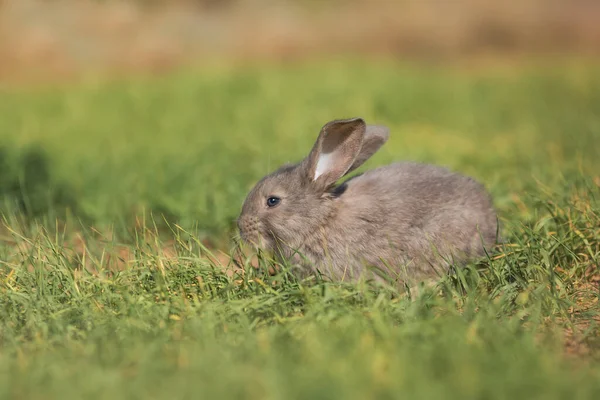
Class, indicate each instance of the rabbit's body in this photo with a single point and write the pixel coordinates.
(406, 219)
(417, 217)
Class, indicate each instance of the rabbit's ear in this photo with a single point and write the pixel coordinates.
(335, 151)
(375, 137)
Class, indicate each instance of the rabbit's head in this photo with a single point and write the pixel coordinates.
(289, 205)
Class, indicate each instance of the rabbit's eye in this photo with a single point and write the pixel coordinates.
(273, 201)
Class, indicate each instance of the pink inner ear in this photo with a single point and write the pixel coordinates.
(323, 164)
(329, 151)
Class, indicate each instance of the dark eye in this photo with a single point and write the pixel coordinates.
(273, 201)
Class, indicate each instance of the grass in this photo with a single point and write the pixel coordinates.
(117, 196)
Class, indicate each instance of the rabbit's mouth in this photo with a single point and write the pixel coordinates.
(249, 236)
(256, 240)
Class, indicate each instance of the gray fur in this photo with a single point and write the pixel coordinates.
(406, 219)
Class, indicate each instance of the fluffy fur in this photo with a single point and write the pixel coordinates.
(408, 220)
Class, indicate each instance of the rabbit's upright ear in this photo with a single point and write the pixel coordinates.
(335, 151)
(375, 137)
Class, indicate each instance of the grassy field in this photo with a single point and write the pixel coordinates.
(118, 196)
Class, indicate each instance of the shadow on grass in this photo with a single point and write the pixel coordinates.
(27, 186)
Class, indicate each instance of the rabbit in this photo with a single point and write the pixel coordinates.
(406, 221)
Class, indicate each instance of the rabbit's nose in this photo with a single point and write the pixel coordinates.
(240, 224)
(243, 224)
(247, 227)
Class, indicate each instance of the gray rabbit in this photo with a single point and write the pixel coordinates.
(406, 220)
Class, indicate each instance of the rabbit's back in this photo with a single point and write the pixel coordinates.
(419, 189)
(419, 212)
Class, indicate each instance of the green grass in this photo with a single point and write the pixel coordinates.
(159, 167)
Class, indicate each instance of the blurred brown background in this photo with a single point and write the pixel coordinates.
(62, 38)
